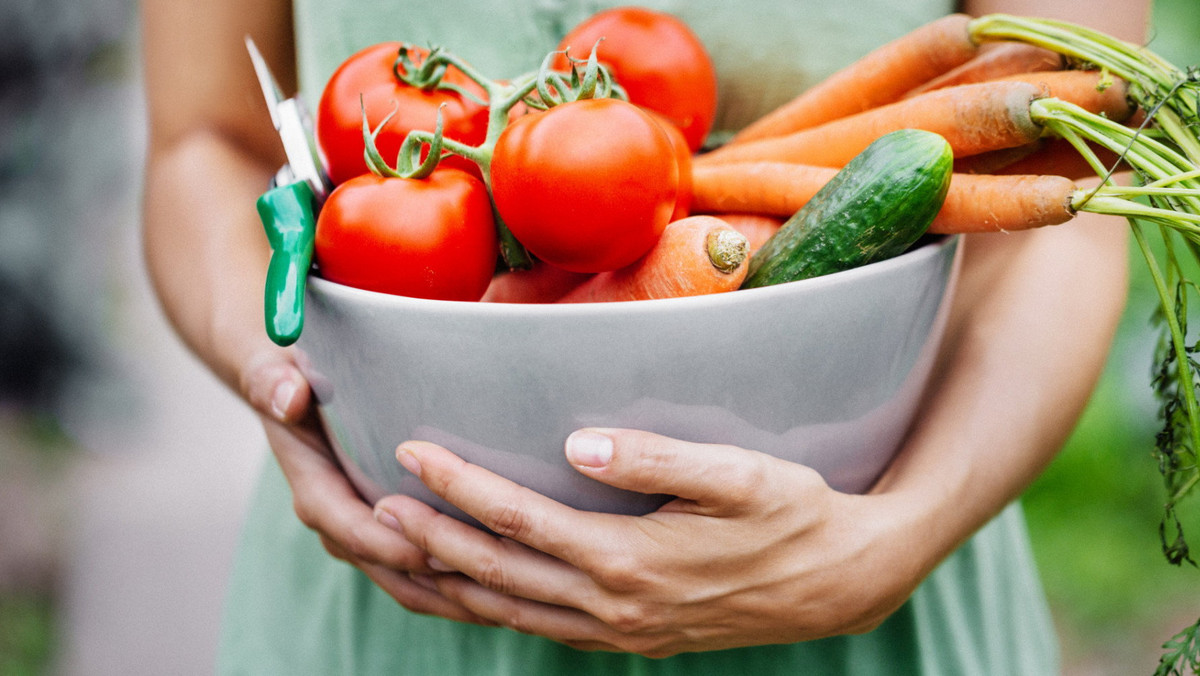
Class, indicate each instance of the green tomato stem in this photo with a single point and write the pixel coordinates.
(553, 89)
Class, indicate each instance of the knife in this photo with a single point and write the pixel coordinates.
(288, 208)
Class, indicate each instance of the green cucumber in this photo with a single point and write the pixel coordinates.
(875, 208)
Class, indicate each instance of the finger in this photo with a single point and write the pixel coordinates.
(500, 564)
(420, 594)
(713, 476)
(273, 384)
(558, 623)
(508, 509)
(415, 591)
(326, 502)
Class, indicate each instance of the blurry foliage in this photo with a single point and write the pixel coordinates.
(1094, 514)
(27, 639)
(58, 62)
(63, 173)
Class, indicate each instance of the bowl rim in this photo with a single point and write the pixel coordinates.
(918, 254)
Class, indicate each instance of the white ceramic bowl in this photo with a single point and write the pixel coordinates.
(826, 372)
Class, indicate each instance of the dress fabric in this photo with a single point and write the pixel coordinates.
(292, 609)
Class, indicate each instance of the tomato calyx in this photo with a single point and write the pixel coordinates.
(427, 73)
(555, 88)
(538, 90)
(408, 162)
(502, 97)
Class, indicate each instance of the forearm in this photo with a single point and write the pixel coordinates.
(1126, 19)
(205, 249)
(1029, 335)
(211, 152)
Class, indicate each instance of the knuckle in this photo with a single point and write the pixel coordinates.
(355, 543)
(445, 479)
(745, 480)
(508, 520)
(493, 575)
(629, 617)
(621, 573)
(516, 620)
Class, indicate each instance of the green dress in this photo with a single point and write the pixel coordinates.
(294, 610)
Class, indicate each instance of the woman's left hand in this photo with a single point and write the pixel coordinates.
(755, 549)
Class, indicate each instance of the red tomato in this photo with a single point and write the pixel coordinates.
(658, 60)
(587, 186)
(369, 73)
(426, 238)
(683, 156)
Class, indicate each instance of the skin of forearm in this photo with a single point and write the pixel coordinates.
(1125, 19)
(1029, 337)
(211, 152)
(205, 249)
(1033, 319)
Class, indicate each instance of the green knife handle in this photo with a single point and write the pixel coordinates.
(287, 216)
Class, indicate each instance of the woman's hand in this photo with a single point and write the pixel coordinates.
(759, 550)
(755, 550)
(323, 497)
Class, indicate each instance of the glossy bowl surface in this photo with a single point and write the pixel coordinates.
(826, 372)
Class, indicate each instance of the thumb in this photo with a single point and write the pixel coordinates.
(273, 384)
(708, 474)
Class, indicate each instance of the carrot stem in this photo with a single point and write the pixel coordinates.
(1154, 82)
(1185, 377)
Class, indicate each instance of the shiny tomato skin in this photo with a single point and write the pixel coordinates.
(587, 186)
(658, 60)
(338, 124)
(683, 156)
(424, 238)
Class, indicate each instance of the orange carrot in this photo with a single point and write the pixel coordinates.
(772, 188)
(696, 255)
(1089, 89)
(881, 76)
(994, 161)
(543, 283)
(995, 60)
(973, 118)
(757, 228)
(974, 203)
(1058, 157)
(985, 203)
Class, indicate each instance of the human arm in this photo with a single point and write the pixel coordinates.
(762, 551)
(211, 153)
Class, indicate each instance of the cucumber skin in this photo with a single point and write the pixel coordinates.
(875, 208)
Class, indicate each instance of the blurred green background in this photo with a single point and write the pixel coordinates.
(1093, 516)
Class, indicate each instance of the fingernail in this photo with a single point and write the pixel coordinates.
(408, 460)
(589, 449)
(384, 517)
(436, 564)
(282, 397)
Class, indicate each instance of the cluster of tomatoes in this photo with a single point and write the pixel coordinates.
(584, 184)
